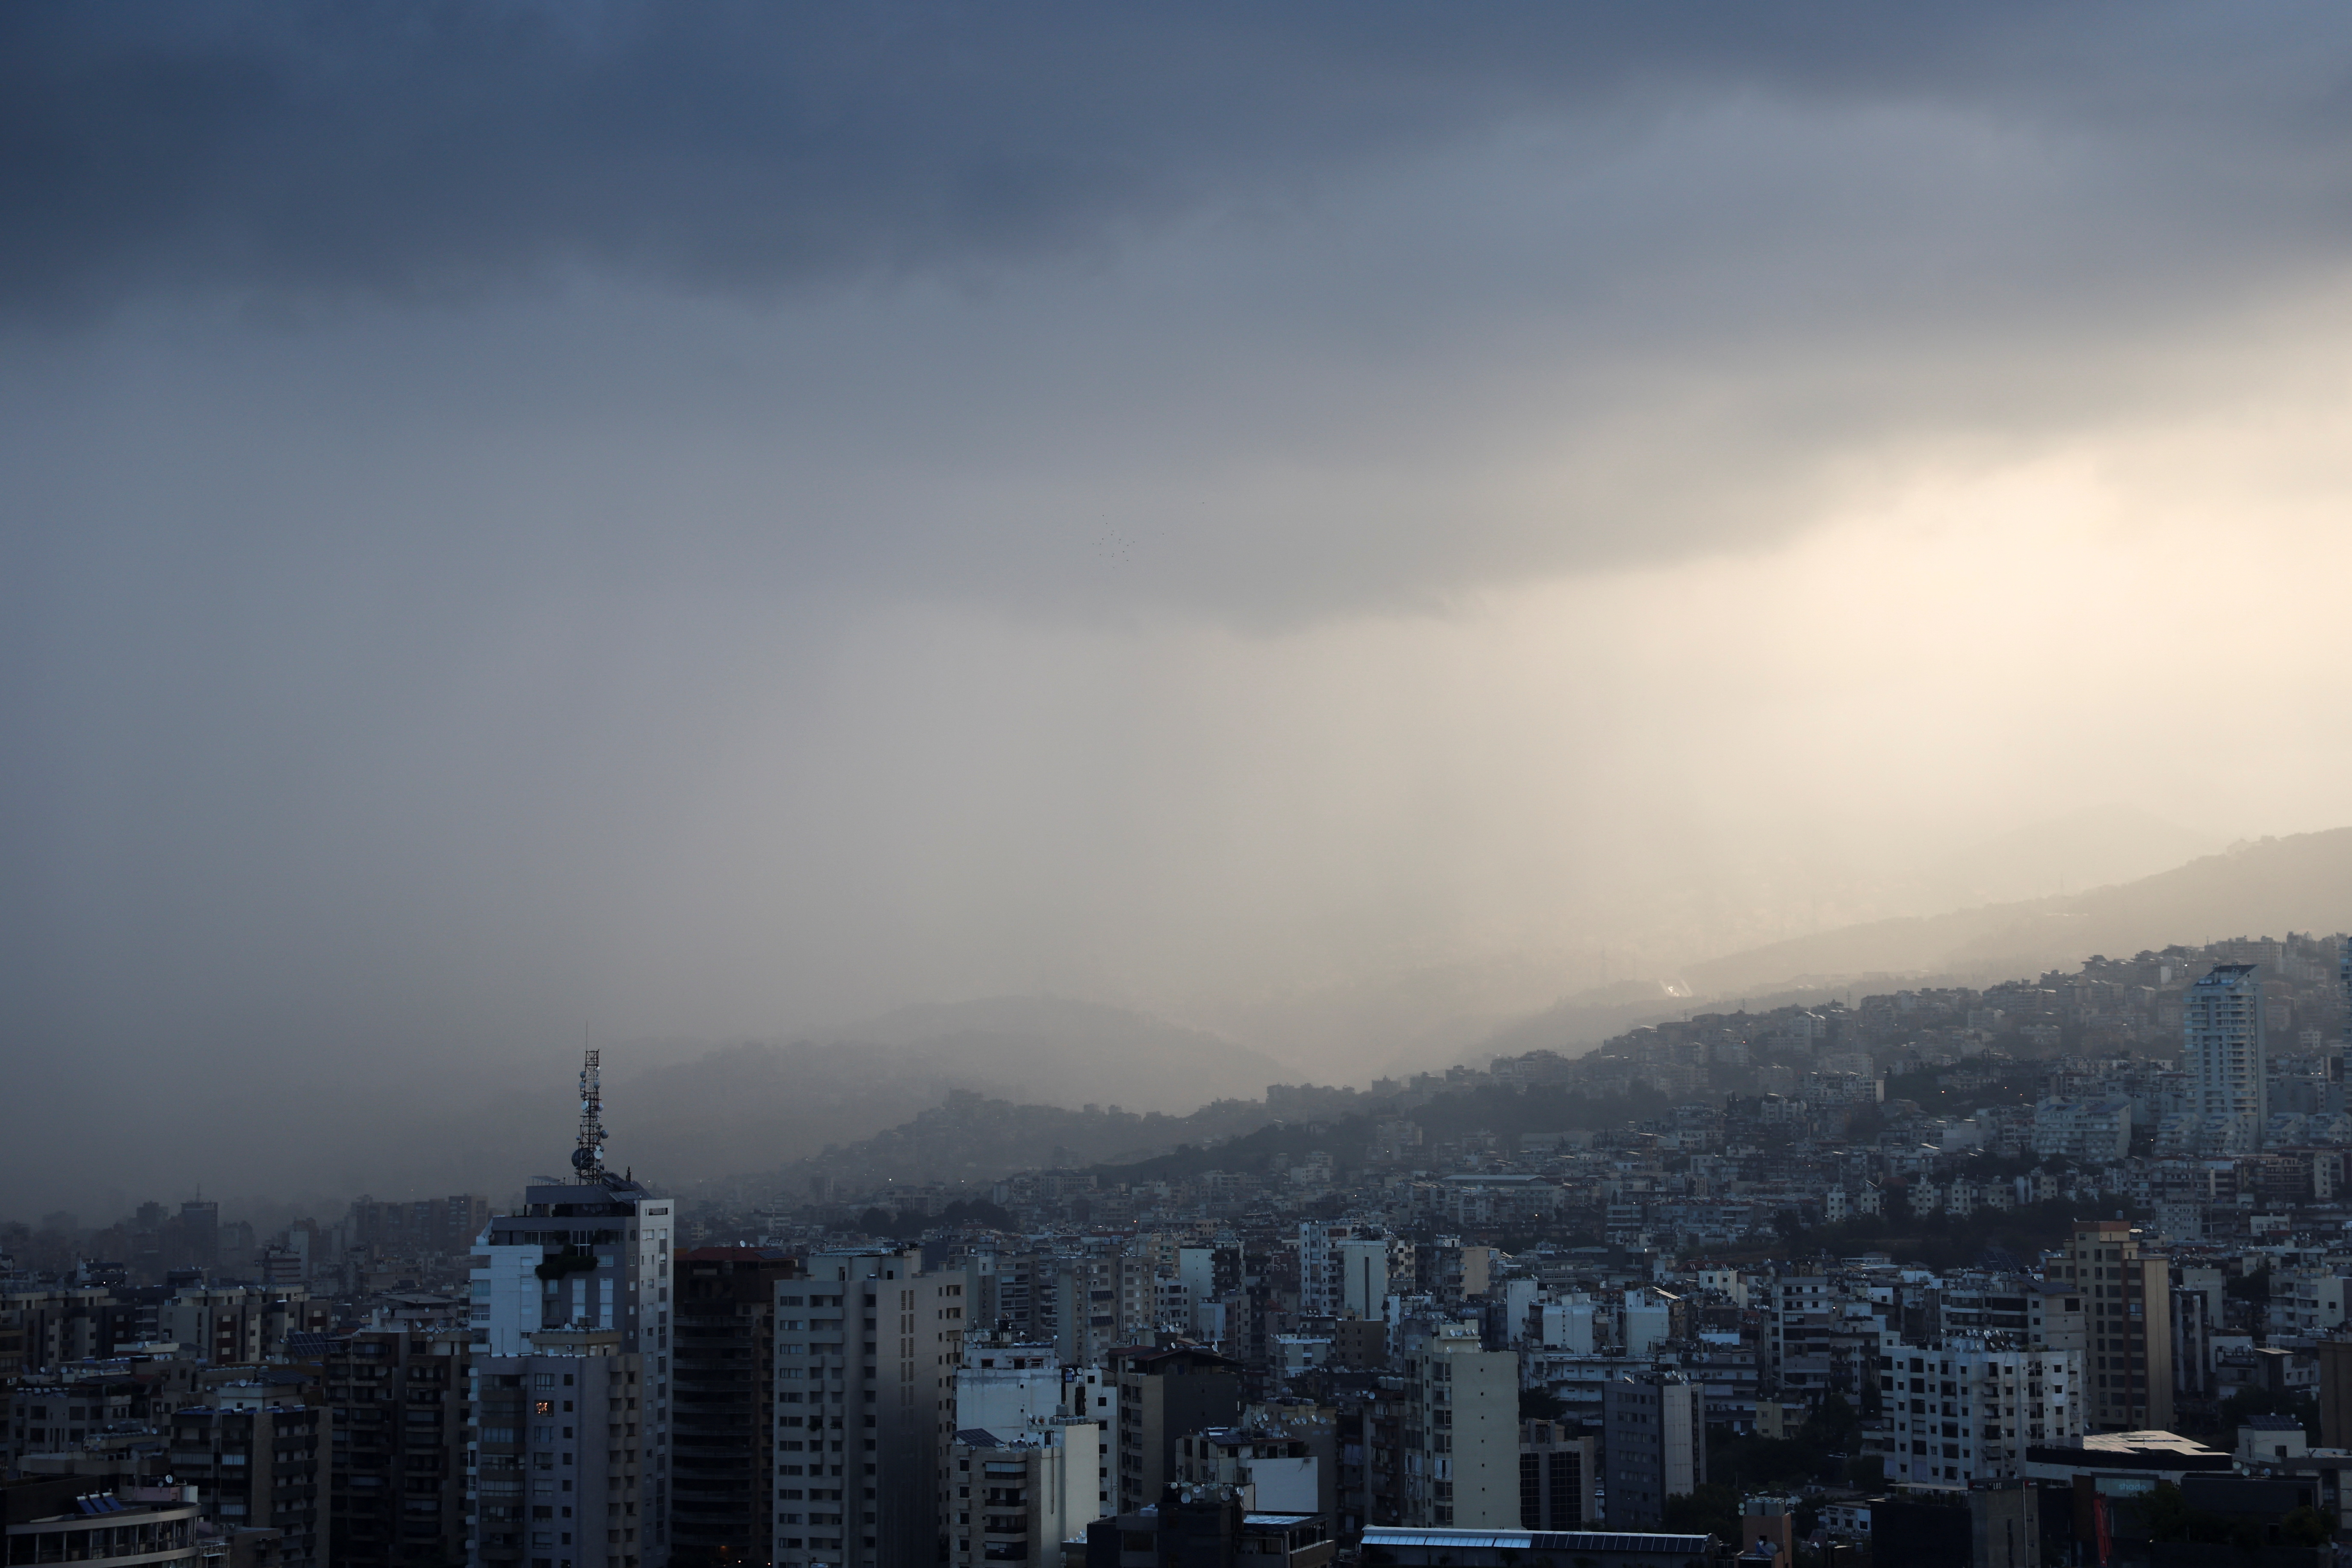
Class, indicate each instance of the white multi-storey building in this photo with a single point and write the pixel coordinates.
(1462, 1460)
(1341, 1275)
(2223, 1050)
(2096, 1132)
(2308, 1302)
(1966, 1409)
(1007, 1386)
(581, 1255)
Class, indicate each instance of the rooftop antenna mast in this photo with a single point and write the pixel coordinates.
(588, 1159)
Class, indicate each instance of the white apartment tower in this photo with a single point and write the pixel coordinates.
(1340, 1274)
(2222, 1048)
(1319, 1277)
(1007, 1387)
(1462, 1441)
(583, 1271)
(1966, 1410)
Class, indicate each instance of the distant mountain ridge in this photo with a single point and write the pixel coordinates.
(978, 1139)
(757, 1105)
(2300, 883)
(760, 1106)
(687, 1111)
(2095, 847)
(2303, 882)
(1413, 1010)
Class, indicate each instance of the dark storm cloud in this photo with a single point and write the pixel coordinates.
(443, 148)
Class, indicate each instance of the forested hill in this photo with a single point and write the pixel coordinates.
(974, 1141)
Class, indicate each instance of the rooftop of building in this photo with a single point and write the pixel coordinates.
(1155, 1358)
(2144, 1450)
(1231, 1436)
(1536, 1540)
(2143, 1442)
(735, 1255)
(619, 1193)
(30, 1500)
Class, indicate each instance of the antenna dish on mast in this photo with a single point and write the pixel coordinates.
(588, 1158)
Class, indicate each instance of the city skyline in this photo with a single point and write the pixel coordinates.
(1818, 1276)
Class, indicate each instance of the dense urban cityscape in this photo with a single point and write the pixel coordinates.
(2053, 1272)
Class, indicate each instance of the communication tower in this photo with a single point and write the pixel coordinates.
(588, 1159)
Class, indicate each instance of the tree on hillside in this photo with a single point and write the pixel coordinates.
(1712, 1510)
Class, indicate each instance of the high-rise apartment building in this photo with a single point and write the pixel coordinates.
(79, 1406)
(1210, 1277)
(1654, 1440)
(1340, 1274)
(2054, 1318)
(2126, 1295)
(1363, 1277)
(723, 1403)
(1017, 1496)
(1461, 1457)
(1083, 1304)
(416, 1226)
(1104, 1300)
(583, 1272)
(1162, 1395)
(397, 1478)
(1005, 1386)
(232, 1323)
(1966, 1410)
(1558, 1477)
(2223, 1050)
(256, 1464)
(200, 1234)
(565, 1476)
(867, 1351)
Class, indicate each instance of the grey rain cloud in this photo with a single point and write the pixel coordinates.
(424, 152)
(1262, 283)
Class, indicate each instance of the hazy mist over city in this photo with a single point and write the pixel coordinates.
(1113, 555)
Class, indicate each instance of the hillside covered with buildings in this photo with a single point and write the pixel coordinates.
(1878, 1270)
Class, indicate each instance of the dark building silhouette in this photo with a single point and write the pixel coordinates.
(398, 1476)
(722, 1404)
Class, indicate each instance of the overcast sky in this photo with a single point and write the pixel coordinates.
(715, 520)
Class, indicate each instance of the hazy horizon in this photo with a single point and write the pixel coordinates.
(521, 524)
